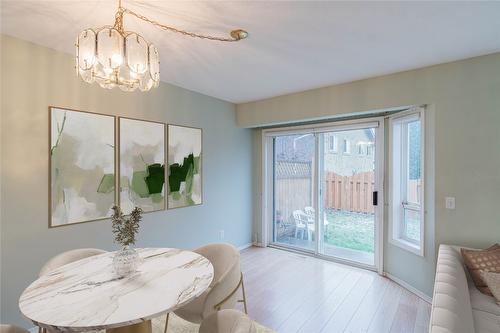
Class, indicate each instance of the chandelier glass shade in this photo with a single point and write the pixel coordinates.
(115, 59)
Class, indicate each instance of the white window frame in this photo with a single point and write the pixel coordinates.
(396, 167)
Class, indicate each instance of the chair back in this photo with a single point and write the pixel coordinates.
(311, 214)
(309, 210)
(225, 259)
(299, 216)
(68, 257)
(12, 329)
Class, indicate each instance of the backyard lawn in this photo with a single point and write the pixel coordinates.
(350, 230)
(356, 231)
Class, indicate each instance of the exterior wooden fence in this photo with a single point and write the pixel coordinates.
(353, 193)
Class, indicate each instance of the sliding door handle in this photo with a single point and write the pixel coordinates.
(375, 198)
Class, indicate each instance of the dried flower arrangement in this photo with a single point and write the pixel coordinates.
(126, 228)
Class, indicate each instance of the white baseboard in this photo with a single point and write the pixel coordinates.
(409, 287)
(246, 246)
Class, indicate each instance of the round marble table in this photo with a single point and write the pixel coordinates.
(86, 295)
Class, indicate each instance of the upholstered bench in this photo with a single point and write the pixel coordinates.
(457, 305)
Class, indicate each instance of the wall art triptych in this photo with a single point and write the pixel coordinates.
(88, 149)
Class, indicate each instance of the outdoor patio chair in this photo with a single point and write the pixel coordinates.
(301, 222)
(311, 215)
(310, 212)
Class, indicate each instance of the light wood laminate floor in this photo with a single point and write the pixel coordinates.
(290, 292)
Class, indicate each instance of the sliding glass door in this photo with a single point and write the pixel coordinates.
(347, 180)
(294, 186)
(323, 190)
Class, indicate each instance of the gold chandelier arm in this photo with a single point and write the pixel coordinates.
(235, 35)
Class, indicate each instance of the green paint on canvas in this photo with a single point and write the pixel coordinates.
(107, 184)
(139, 185)
(189, 181)
(175, 177)
(156, 197)
(197, 161)
(179, 172)
(155, 178)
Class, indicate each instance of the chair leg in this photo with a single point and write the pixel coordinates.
(166, 323)
(244, 296)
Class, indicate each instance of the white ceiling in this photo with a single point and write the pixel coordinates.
(293, 46)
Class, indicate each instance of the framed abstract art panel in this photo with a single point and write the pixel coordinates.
(81, 166)
(142, 165)
(184, 166)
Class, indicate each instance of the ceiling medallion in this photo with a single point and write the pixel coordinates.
(113, 57)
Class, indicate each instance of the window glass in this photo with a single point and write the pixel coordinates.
(406, 180)
(412, 224)
(413, 172)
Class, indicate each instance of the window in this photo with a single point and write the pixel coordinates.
(369, 149)
(407, 217)
(360, 149)
(346, 147)
(332, 143)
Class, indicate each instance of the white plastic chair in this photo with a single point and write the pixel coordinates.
(301, 222)
(311, 216)
(310, 212)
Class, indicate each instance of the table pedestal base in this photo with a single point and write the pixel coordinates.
(144, 327)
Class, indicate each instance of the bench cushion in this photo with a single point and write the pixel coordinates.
(451, 306)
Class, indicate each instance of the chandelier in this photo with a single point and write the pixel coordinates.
(113, 57)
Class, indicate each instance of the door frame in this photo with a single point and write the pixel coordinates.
(267, 186)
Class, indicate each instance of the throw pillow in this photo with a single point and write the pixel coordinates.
(493, 247)
(483, 260)
(493, 282)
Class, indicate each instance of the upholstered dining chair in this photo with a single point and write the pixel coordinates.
(12, 329)
(67, 257)
(227, 321)
(222, 292)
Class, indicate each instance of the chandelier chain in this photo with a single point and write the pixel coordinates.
(122, 10)
(119, 20)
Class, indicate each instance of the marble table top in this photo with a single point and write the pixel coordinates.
(86, 295)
